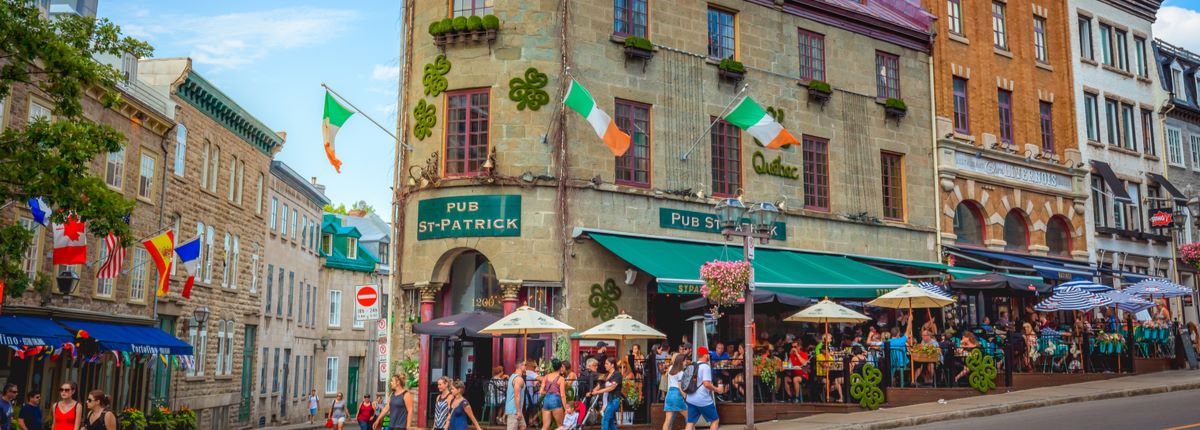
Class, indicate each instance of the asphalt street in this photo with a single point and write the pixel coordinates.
(1168, 411)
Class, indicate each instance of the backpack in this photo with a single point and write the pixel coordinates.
(690, 376)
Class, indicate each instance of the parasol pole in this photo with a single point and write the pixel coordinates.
(525, 340)
(912, 365)
(829, 366)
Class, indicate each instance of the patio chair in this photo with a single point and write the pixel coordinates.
(900, 364)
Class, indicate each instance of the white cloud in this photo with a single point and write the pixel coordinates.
(1177, 26)
(385, 73)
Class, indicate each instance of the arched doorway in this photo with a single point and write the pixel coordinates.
(470, 284)
(1058, 237)
(968, 224)
(1016, 232)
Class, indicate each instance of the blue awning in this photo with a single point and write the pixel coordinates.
(131, 338)
(1050, 269)
(22, 331)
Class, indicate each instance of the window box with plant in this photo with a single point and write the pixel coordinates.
(895, 108)
(638, 47)
(464, 29)
(819, 90)
(731, 70)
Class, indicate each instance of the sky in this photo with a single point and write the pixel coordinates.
(270, 56)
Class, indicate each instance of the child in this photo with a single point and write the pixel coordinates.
(571, 420)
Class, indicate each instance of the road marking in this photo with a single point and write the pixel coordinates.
(1189, 426)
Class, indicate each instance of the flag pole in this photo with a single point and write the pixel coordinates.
(729, 106)
(368, 117)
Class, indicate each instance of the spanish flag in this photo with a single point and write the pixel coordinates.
(162, 250)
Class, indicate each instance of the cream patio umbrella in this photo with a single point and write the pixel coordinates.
(825, 312)
(526, 321)
(622, 328)
(910, 296)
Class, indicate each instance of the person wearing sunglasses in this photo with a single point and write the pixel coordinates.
(67, 413)
(31, 412)
(6, 409)
(99, 417)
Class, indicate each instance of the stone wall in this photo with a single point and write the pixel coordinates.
(346, 341)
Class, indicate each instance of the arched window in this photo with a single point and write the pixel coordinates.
(1016, 232)
(1058, 236)
(968, 224)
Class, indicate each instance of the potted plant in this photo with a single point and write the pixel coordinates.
(767, 369)
(638, 47)
(160, 418)
(632, 391)
(895, 108)
(924, 353)
(725, 282)
(731, 69)
(184, 419)
(1190, 253)
(132, 419)
(819, 90)
(464, 29)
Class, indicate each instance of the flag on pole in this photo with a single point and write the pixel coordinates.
(70, 242)
(116, 257)
(189, 256)
(162, 250)
(335, 116)
(749, 116)
(580, 100)
(40, 211)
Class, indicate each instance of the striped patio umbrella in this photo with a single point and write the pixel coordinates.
(1072, 299)
(1158, 288)
(934, 288)
(1088, 286)
(1128, 302)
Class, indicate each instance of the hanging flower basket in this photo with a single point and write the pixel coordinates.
(1190, 253)
(767, 368)
(725, 282)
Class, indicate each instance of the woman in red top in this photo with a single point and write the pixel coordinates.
(798, 359)
(67, 413)
(366, 413)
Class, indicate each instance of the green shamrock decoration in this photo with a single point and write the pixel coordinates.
(603, 300)
(425, 117)
(983, 371)
(865, 387)
(435, 76)
(528, 92)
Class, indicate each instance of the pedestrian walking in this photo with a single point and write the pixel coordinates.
(553, 385)
(366, 413)
(68, 415)
(460, 410)
(6, 407)
(99, 416)
(611, 390)
(700, 401)
(31, 413)
(313, 403)
(400, 402)
(441, 406)
(514, 419)
(674, 404)
(337, 412)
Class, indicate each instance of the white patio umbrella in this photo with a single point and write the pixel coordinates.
(526, 321)
(911, 296)
(828, 312)
(623, 327)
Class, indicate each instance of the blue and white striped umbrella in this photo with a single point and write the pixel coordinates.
(1128, 302)
(934, 288)
(1158, 288)
(1072, 299)
(1088, 286)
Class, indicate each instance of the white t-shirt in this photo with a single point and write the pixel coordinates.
(702, 396)
(675, 381)
(312, 402)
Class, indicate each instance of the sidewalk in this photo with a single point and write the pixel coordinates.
(887, 418)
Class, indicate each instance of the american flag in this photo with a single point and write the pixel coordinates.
(116, 256)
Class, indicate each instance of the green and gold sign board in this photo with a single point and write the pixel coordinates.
(700, 221)
(469, 216)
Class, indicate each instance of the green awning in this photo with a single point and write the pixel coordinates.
(675, 265)
(957, 272)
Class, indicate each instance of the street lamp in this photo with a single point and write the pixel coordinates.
(762, 217)
(200, 315)
(324, 342)
(67, 280)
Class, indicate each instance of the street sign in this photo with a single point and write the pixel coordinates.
(381, 325)
(366, 303)
(383, 370)
(381, 338)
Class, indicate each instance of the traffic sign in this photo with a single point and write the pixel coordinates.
(366, 302)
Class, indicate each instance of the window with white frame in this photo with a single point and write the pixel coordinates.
(114, 168)
(1039, 40)
(229, 332)
(1085, 38)
(1174, 146)
(274, 212)
(335, 308)
(214, 168)
(1177, 87)
(220, 347)
(201, 351)
(304, 233)
(233, 275)
(1133, 218)
(999, 25)
(283, 225)
(258, 196)
(208, 262)
(331, 375)
(253, 273)
(351, 248)
(1091, 113)
(200, 229)
(262, 375)
(225, 260)
(1139, 57)
(146, 177)
(233, 167)
(104, 287)
(29, 261)
(138, 274)
(295, 222)
(1194, 146)
(38, 111)
(180, 150)
(241, 181)
(193, 340)
(1118, 213)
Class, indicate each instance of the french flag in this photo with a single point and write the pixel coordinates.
(41, 211)
(189, 255)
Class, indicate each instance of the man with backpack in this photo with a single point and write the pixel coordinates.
(699, 389)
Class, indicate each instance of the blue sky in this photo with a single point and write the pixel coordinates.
(271, 57)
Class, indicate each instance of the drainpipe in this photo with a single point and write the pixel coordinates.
(162, 195)
(937, 218)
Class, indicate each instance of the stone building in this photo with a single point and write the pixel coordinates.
(216, 190)
(1012, 191)
(506, 198)
(290, 327)
(1118, 123)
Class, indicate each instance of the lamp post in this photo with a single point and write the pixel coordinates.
(200, 315)
(324, 343)
(752, 224)
(67, 280)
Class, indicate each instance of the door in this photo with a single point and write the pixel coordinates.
(352, 384)
(283, 397)
(248, 346)
(161, 384)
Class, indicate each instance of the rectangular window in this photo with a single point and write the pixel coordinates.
(999, 26)
(180, 149)
(258, 196)
(104, 287)
(270, 286)
(954, 16)
(812, 56)
(892, 175)
(1174, 147)
(1139, 57)
(472, 7)
(233, 163)
(29, 262)
(726, 159)
(138, 272)
(351, 248)
(208, 247)
(220, 347)
(114, 169)
(1085, 38)
(1112, 121)
(253, 273)
(146, 177)
(1099, 202)
(1091, 116)
(1118, 214)
(1148, 145)
(1039, 39)
(722, 40)
(274, 212)
(1106, 55)
(1177, 83)
(335, 308)
(192, 332)
(1128, 135)
(295, 222)
(202, 351)
(304, 232)
(279, 302)
(816, 173)
(467, 114)
(327, 244)
(1194, 146)
(962, 120)
(38, 111)
(1122, 56)
(275, 373)
(331, 375)
(1133, 216)
(291, 292)
(633, 168)
(262, 375)
(629, 17)
(227, 247)
(1046, 117)
(1004, 98)
(283, 223)
(887, 81)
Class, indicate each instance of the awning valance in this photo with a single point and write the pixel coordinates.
(1047, 268)
(1115, 186)
(675, 264)
(21, 331)
(1174, 192)
(131, 338)
(957, 272)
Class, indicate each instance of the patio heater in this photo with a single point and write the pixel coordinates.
(752, 224)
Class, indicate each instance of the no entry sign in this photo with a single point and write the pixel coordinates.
(366, 302)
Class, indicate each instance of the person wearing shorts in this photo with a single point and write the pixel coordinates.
(312, 406)
(700, 403)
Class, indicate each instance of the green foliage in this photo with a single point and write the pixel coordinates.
(460, 23)
(184, 419)
(160, 418)
(447, 25)
(411, 368)
(340, 209)
(865, 387)
(52, 158)
(425, 117)
(983, 371)
(895, 104)
(491, 22)
(731, 65)
(132, 419)
(434, 77)
(435, 28)
(528, 92)
(820, 86)
(603, 300)
(474, 23)
(639, 43)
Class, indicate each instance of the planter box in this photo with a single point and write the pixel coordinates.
(730, 75)
(635, 52)
(819, 96)
(894, 112)
(462, 37)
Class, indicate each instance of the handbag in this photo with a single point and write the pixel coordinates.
(329, 422)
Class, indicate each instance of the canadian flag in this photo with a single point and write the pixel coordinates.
(70, 242)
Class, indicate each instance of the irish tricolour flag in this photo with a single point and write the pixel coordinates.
(335, 116)
(749, 116)
(580, 100)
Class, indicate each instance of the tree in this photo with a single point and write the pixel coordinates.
(340, 209)
(51, 159)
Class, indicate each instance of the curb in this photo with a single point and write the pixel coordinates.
(1013, 407)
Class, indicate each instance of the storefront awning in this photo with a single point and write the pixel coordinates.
(1049, 269)
(1115, 187)
(131, 338)
(958, 272)
(675, 264)
(1167, 185)
(21, 331)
